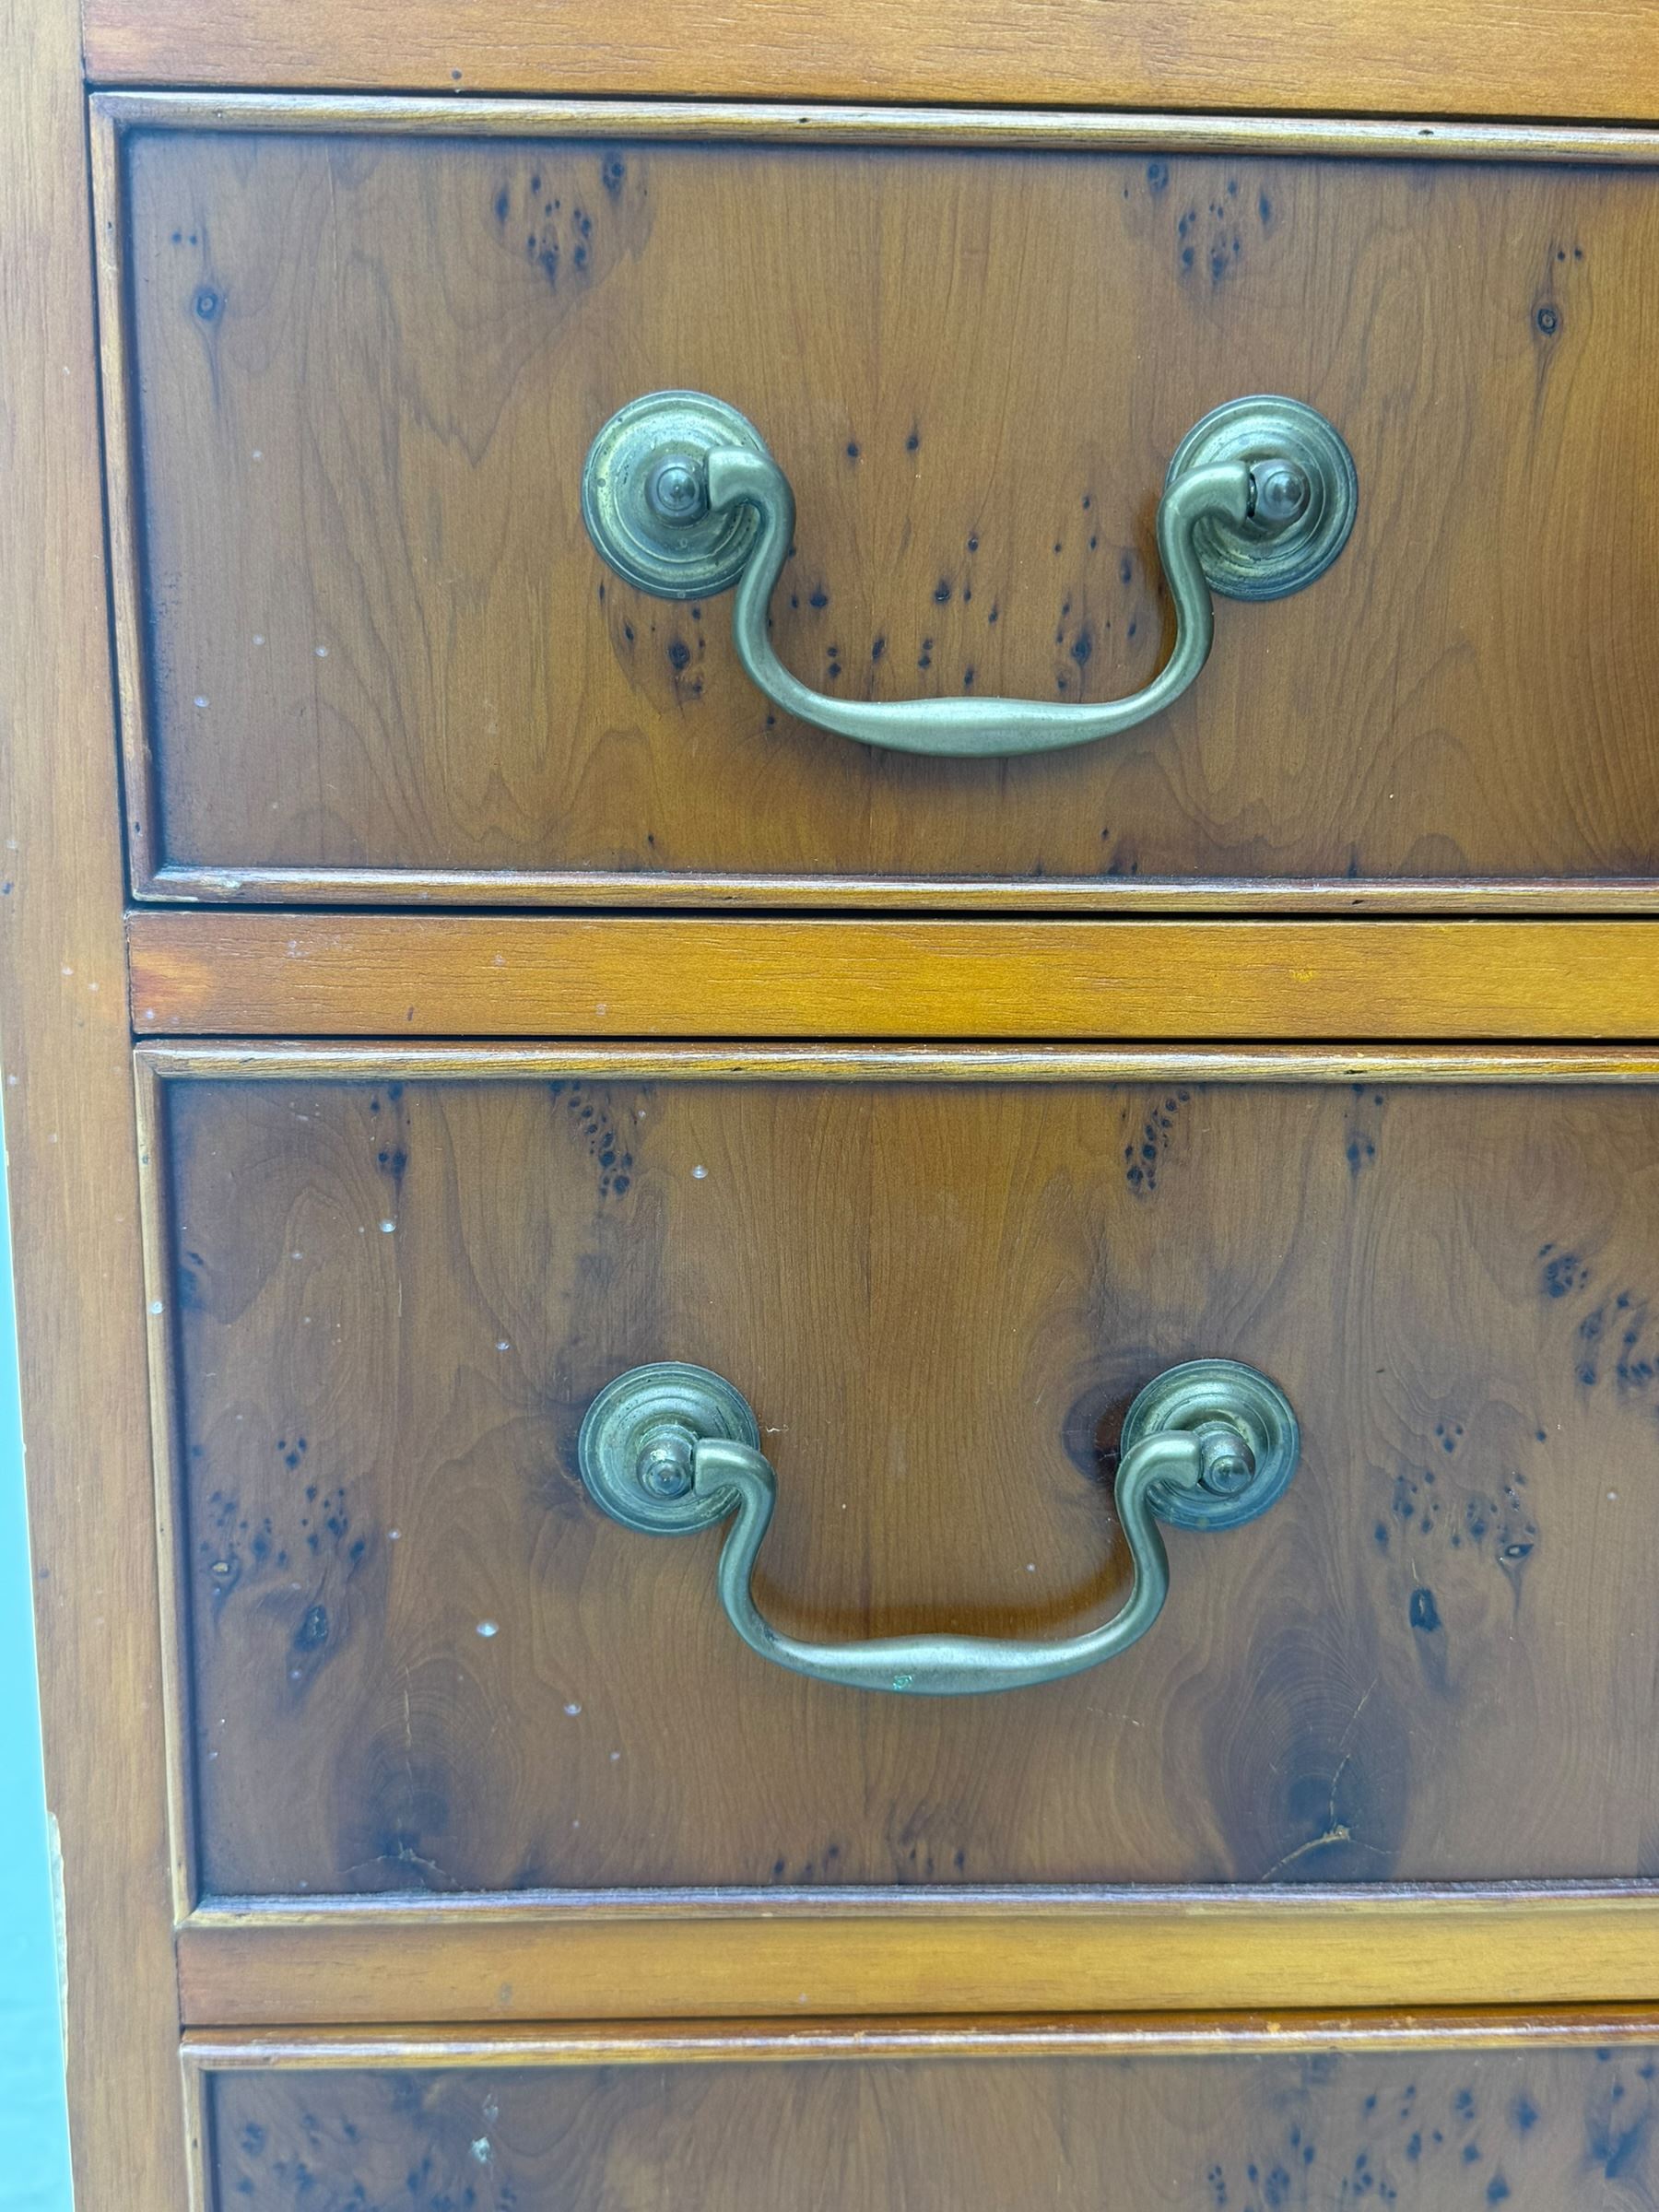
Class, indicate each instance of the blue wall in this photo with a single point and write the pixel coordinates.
(34, 2143)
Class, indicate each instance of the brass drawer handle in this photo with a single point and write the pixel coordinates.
(670, 1449)
(683, 499)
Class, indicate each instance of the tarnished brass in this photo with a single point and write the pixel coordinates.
(670, 1449)
(683, 499)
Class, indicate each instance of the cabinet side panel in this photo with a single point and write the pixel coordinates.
(69, 1134)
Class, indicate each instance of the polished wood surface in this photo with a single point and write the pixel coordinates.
(70, 1156)
(987, 2035)
(418, 1660)
(818, 1063)
(616, 1956)
(1472, 57)
(1429, 2130)
(548, 975)
(592, 1904)
(835, 123)
(355, 376)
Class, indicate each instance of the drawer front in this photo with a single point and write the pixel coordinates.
(1531, 2128)
(416, 1656)
(369, 648)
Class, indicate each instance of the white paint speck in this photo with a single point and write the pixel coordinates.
(66, 972)
(602, 1008)
(393, 1535)
(201, 699)
(387, 1227)
(1031, 1565)
(258, 454)
(615, 1757)
(503, 1344)
(572, 1711)
(480, 2150)
(156, 1306)
(259, 637)
(489, 1628)
(1612, 1496)
(296, 1256)
(320, 652)
(699, 1174)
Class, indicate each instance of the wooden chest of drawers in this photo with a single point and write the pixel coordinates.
(1127, 1262)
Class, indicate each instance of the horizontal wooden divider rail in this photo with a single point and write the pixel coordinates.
(621, 1958)
(1484, 57)
(559, 975)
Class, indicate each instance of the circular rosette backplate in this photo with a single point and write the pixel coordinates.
(666, 438)
(1257, 560)
(1197, 1396)
(638, 1409)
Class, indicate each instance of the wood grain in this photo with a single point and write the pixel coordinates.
(520, 975)
(766, 2042)
(831, 123)
(419, 1661)
(1431, 2130)
(1476, 57)
(735, 890)
(256, 1063)
(624, 1958)
(71, 1156)
(355, 375)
